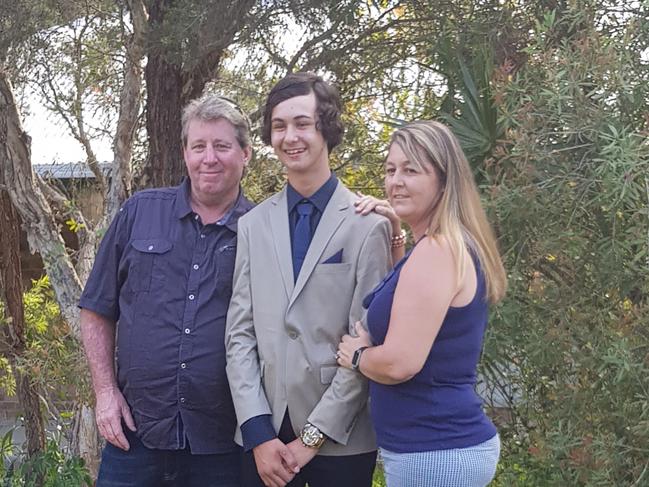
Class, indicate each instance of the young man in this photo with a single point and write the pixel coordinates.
(305, 261)
(160, 288)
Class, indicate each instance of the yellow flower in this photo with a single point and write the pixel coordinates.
(627, 304)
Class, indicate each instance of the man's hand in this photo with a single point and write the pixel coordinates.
(276, 465)
(110, 410)
(303, 454)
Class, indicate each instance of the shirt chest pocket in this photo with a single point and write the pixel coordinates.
(225, 258)
(146, 252)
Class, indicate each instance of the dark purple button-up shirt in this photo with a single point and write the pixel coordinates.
(166, 280)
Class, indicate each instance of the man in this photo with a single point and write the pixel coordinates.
(305, 261)
(160, 288)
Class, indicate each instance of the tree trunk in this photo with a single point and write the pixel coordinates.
(176, 72)
(44, 237)
(164, 85)
(14, 332)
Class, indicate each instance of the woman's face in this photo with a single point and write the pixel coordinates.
(411, 191)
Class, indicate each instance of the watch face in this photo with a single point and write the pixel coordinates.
(356, 358)
(311, 436)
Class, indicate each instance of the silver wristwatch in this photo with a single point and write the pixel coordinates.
(311, 436)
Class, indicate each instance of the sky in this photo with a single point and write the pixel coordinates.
(51, 139)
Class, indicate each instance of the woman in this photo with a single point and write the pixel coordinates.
(427, 319)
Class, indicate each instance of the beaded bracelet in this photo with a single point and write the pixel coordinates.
(398, 240)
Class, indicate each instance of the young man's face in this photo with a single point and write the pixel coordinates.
(214, 160)
(294, 137)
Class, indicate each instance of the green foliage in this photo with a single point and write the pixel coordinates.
(49, 468)
(74, 225)
(569, 190)
(378, 480)
(7, 380)
(53, 357)
(52, 468)
(6, 453)
(475, 123)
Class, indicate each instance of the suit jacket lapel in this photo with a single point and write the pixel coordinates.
(331, 219)
(278, 223)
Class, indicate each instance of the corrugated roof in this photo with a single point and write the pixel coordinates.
(69, 170)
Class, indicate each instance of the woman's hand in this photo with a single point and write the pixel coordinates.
(350, 344)
(365, 204)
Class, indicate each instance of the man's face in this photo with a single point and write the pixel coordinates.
(294, 137)
(214, 160)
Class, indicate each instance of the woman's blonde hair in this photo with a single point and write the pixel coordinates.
(458, 214)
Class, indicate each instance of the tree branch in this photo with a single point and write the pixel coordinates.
(41, 228)
(129, 108)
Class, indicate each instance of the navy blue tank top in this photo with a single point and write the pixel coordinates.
(438, 408)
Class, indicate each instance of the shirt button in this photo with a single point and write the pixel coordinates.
(292, 335)
(187, 331)
(195, 267)
(182, 399)
(183, 365)
(150, 247)
(202, 235)
(191, 297)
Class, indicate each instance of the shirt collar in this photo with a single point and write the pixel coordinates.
(241, 206)
(182, 206)
(319, 199)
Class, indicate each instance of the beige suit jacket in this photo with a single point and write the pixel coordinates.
(281, 337)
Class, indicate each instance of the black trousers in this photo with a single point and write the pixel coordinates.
(322, 471)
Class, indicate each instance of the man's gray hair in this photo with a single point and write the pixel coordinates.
(212, 107)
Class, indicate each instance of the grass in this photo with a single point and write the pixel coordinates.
(378, 480)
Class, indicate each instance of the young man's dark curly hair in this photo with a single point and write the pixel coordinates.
(328, 105)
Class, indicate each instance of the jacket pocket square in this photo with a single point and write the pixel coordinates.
(337, 258)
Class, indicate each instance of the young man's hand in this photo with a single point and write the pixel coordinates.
(276, 464)
(303, 454)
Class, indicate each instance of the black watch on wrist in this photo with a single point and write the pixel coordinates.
(356, 358)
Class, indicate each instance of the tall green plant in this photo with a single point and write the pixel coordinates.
(571, 196)
(474, 116)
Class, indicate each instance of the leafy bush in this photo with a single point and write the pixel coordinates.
(51, 360)
(570, 190)
(50, 468)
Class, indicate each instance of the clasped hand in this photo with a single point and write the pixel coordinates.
(278, 463)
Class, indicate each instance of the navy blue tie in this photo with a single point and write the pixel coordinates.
(301, 235)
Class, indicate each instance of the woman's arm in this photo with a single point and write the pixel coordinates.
(426, 287)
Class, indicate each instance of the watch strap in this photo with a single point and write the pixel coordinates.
(356, 358)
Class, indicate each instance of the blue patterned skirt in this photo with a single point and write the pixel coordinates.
(474, 466)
